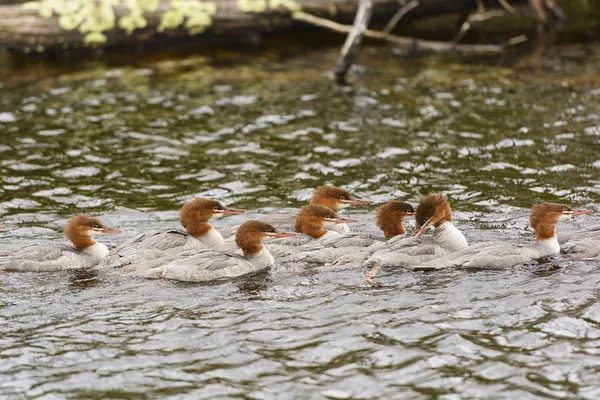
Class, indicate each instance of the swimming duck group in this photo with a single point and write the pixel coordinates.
(315, 235)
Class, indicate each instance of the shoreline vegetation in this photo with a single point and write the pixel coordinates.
(73, 28)
(41, 26)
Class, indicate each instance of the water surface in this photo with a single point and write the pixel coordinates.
(131, 141)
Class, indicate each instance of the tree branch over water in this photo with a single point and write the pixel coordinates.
(361, 21)
(399, 14)
(409, 43)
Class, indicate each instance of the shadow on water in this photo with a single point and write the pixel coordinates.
(83, 279)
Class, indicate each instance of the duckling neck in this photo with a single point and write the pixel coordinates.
(315, 232)
(204, 232)
(448, 236)
(262, 257)
(212, 238)
(81, 242)
(392, 229)
(252, 249)
(98, 251)
(545, 231)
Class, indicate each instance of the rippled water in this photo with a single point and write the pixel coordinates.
(131, 141)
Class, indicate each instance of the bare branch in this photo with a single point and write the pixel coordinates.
(556, 11)
(399, 14)
(540, 13)
(408, 42)
(361, 22)
(480, 7)
(514, 41)
(476, 17)
(507, 7)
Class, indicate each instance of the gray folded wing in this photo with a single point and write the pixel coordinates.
(298, 240)
(43, 257)
(582, 249)
(201, 266)
(350, 240)
(591, 233)
(484, 256)
(149, 246)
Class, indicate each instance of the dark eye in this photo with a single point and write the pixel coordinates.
(344, 198)
(96, 226)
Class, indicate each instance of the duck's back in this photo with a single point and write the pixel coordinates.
(46, 257)
(587, 249)
(487, 256)
(203, 266)
(149, 246)
(591, 233)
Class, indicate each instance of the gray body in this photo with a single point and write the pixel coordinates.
(52, 257)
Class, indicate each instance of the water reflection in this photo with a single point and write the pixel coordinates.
(82, 279)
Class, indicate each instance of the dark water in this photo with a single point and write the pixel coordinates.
(131, 141)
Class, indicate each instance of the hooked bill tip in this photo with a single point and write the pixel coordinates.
(359, 202)
(284, 234)
(581, 212)
(233, 211)
(109, 230)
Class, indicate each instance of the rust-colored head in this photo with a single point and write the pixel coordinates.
(250, 235)
(314, 218)
(433, 209)
(81, 229)
(2, 227)
(195, 214)
(335, 198)
(543, 218)
(389, 217)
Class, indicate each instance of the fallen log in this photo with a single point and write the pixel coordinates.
(41, 25)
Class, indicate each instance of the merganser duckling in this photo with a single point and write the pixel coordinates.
(583, 244)
(199, 234)
(84, 252)
(332, 197)
(314, 222)
(543, 219)
(433, 210)
(314, 219)
(208, 265)
(389, 218)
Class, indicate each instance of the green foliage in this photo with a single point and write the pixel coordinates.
(90, 17)
(196, 14)
(95, 17)
(135, 19)
(262, 5)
